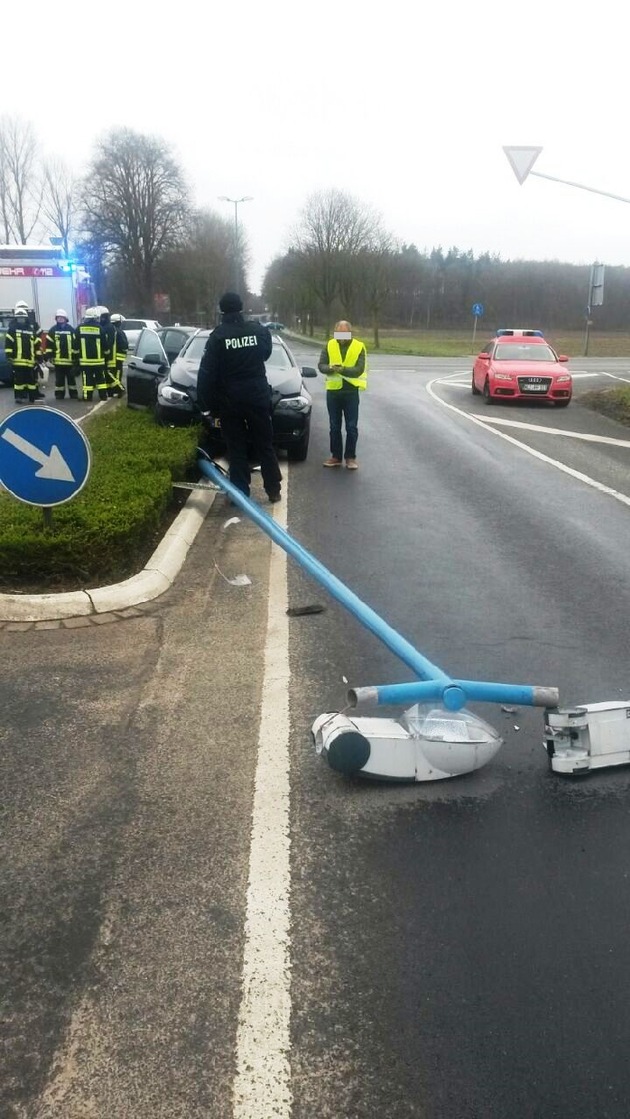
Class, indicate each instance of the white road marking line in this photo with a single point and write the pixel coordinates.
(485, 424)
(262, 1085)
(616, 377)
(554, 431)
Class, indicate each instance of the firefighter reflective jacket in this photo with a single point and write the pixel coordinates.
(120, 348)
(354, 360)
(22, 345)
(91, 345)
(61, 345)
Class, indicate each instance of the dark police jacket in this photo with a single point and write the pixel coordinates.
(232, 369)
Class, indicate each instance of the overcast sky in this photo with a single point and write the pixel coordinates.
(405, 106)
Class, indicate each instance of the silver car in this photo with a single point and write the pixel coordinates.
(133, 328)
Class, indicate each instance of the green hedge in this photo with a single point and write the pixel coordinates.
(109, 530)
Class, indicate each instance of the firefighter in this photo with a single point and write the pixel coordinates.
(23, 350)
(61, 352)
(92, 354)
(120, 352)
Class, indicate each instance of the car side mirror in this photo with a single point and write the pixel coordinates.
(484, 355)
(308, 371)
(562, 357)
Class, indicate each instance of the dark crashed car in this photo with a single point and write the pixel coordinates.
(171, 389)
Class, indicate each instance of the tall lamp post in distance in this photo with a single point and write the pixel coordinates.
(236, 203)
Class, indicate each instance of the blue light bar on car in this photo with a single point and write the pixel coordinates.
(525, 333)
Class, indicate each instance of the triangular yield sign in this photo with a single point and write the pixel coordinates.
(522, 160)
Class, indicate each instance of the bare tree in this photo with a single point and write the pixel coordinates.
(20, 188)
(59, 200)
(200, 268)
(135, 204)
(376, 268)
(334, 227)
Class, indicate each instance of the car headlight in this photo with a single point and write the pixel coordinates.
(503, 376)
(174, 396)
(565, 377)
(293, 404)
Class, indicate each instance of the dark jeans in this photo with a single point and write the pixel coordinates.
(342, 404)
(247, 425)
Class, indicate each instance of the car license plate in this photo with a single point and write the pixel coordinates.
(534, 388)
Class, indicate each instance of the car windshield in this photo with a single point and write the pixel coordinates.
(279, 359)
(523, 351)
(194, 352)
(132, 324)
(196, 346)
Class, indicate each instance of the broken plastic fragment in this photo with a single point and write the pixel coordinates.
(237, 581)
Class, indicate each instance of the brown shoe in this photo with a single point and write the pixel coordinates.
(332, 462)
(352, 464)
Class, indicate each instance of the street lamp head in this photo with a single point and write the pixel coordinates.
(245, 198)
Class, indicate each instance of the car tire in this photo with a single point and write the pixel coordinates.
(487, 395)
(475, 390)
(299, 451)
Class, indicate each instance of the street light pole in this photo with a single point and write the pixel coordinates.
(522, 159)
(236, 202)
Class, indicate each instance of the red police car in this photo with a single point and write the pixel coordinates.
(518, 364)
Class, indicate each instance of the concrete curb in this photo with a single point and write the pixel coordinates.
(155, 578)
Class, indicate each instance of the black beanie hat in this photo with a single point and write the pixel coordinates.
(230, 302)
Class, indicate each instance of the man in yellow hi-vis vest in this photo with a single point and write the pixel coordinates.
(343, 361)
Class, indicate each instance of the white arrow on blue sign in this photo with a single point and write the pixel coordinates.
(477, 309)
(44, 456)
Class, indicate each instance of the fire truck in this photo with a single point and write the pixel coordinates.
(46, 279)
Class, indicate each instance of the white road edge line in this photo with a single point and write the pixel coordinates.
(486, 425)
(262, 1086)
(500, 422)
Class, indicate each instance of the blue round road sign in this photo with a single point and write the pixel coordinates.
(477, 309)
(44, 456)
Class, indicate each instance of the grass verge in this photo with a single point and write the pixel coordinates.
(110, 529)
(614, 403)
(459, 343)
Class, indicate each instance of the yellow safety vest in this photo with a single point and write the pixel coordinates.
(336, 380)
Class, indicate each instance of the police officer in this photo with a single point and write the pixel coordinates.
(92, 354)
(232, 385)
(23, 349)
(343, 361)
(61, 350)
(115, 367)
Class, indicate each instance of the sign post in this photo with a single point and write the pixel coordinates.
(44, 457)
(477, 310)
(595, 299)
